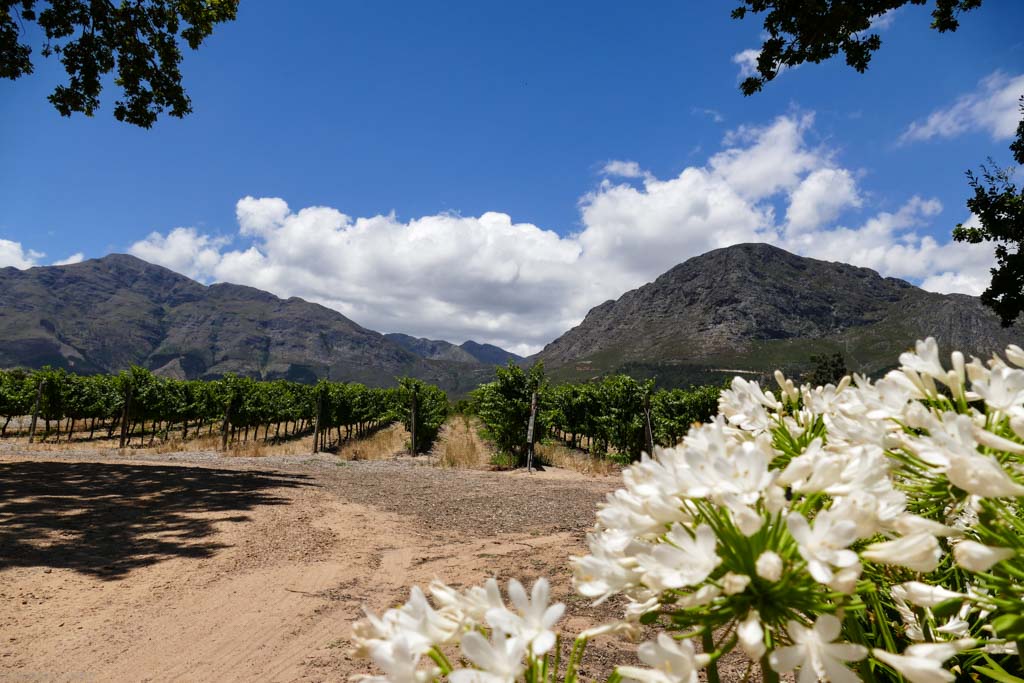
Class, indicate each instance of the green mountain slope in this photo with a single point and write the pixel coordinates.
(753, 307)
(106, 314)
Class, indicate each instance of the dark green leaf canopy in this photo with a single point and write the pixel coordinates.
(138, 40)
(801, 31)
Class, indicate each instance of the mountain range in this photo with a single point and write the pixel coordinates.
(748, 308)
(106, 314)
(467, 352)
(751, 308)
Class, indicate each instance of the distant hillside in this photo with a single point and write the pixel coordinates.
(467, 352)
(754, 307)
(748, 308)
(489, 354)
(106, 314)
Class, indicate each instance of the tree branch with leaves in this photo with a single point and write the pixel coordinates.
(140, 41)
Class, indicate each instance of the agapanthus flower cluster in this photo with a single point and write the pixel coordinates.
(856, 531)
(408, 642)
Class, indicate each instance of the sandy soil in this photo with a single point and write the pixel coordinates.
(199, 567)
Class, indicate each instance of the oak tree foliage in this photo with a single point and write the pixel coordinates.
(138, 41)
(999, 206)
(799, 31)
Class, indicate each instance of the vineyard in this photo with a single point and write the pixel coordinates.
(137, 407)
(616, 416)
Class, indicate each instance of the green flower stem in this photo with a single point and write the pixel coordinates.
(707, 641)
(558, 657)
(578, 647)
(857, 635)
(441, 661)
(926, 628)
(768, 674)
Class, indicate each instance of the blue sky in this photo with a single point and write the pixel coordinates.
(445, 166)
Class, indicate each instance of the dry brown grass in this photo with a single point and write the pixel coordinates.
(381, 445)
(459, 445)
(567, 458)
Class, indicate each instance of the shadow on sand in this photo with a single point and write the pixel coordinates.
(107, 519)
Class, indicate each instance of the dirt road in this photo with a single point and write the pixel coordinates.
(196, 567)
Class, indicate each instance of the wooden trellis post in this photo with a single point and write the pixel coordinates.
(225, 425)
(316, 421)
(529, 432)
(125, 412)
(412, 422)
(35, 412)
(648, 432)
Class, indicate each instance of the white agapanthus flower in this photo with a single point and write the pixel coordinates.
(924, 595)
(815, 654)
(399, 659)
(670, 661)
(826, 545)
(532, 619)
(922, 662)
(500, 660)
(920, 552)
(977, 557)
(471, 605)
(684, 560)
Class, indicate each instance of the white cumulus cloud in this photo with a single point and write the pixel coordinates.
(518, 285)
(13, 254)
(747, 61)
(182, 249)
(622, 169)
(77, 257)
(994, 108)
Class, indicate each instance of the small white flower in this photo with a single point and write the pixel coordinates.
(815, 654)
(976, 557)
(671, 661)
(399, 659)
(751, 635)
(911, 624)
(825, 546)
(629, 628)
(924, 360)
(499, 661)
(845, 579)
(769, 566)
(923, 595)
(472, 605)
(1002, 389)
(922, 662)
(684, 561)
(603, 572)
(533, 618)
(920, 552)
(982, 475)
(1015, 355)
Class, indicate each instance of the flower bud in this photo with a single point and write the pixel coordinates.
(769, 566)
(975, 557)
(751, 636)
(923, 595)
(734, 583)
